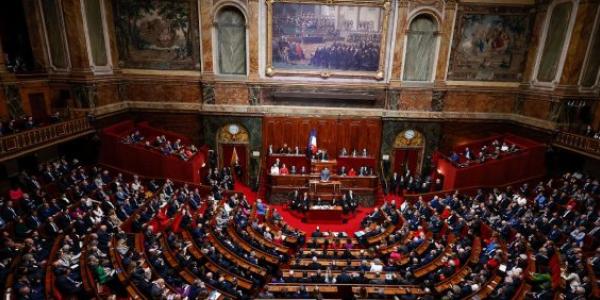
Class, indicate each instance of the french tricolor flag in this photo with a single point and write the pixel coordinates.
(312, 142)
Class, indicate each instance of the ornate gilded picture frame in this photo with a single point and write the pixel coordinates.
(327, 38)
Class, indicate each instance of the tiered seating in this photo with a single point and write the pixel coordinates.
(172, 242)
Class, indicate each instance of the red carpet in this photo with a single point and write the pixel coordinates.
(350, 227)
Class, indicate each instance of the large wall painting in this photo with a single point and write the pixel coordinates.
(154, 34)
(340, 38)
(490, 43)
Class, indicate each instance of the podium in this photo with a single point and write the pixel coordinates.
(326, 190)
(318, 165)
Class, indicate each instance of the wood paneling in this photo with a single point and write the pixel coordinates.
(333, 134)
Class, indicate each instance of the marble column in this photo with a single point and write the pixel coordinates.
(253, 16)
(578, 45)
(206, 32)
(401, 28)
(74, 27)
(446, 29)
(112, 36)
(538, 29)
(33, 16)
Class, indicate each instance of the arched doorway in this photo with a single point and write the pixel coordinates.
(409, 147)
(232, 144)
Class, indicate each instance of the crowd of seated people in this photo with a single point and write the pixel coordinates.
(362, 171)
(320, 154)
(161, 143)
(279, 168)
(61, 207)
(25, 123)
(67, 222)
(354, 153)
(487, 152)
(541, 237)
(285, 149)
(369, 265)
(555, 218)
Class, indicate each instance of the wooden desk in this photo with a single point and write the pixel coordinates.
(329, 215)
(318, 165)
(281, 186)
(326, 190)
(303, 180)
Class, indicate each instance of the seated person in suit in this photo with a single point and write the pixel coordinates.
(468, 154)
(317, 232)
(319, 201)
(293, 170)
(342, 171)
(284, 149)
(325, 174)
(322, 155)
(303, 170)
(454, 157)
(344, 152)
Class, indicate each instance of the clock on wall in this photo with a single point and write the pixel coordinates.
(233, 129)
(409, 134)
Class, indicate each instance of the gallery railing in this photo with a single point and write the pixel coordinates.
(14, 144)
(578, 142)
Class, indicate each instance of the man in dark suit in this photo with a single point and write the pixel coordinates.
(305, 202)
(352, 200)
(68, 286)
(9, 213)
(343, 278)
(394, 183)
(314, 265)
(294, 200)
(317, 233)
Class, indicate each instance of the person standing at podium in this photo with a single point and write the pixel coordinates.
(325, 174)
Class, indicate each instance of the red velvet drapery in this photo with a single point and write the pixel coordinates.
(242, 155)
(407, 157)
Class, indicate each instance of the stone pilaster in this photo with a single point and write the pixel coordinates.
(75, 29)
(206, 29)
(541, 10)
(36, 34)
(112, 35)
(446, 29)
(253, 34)
(401, 27)
(578, 45)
